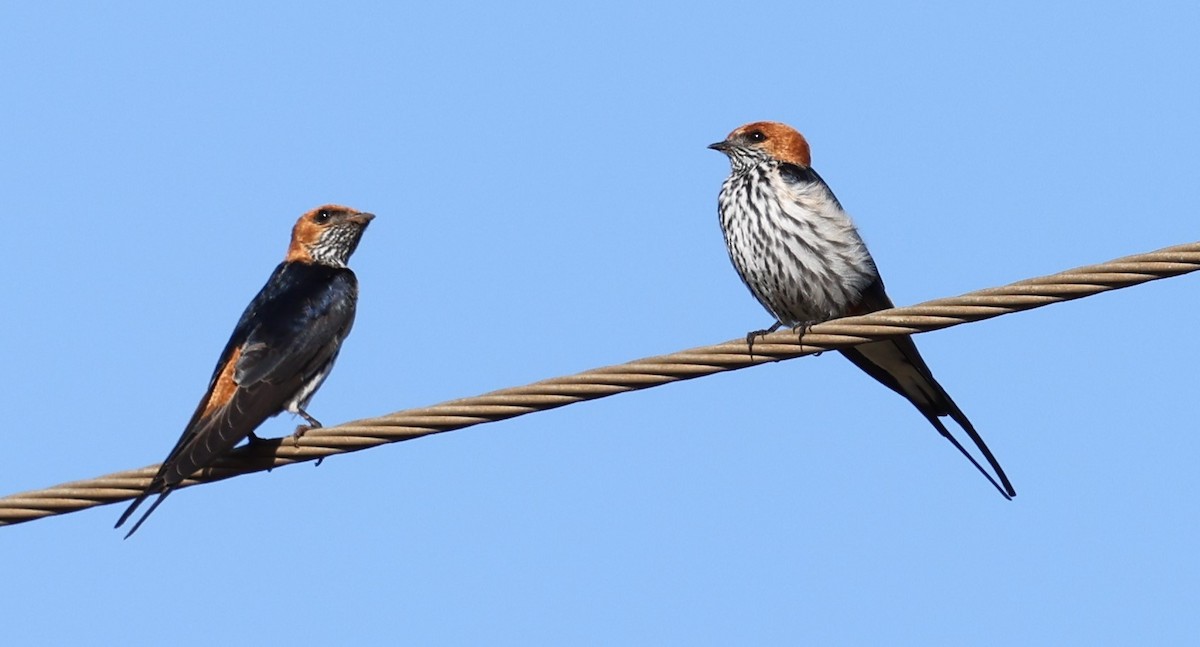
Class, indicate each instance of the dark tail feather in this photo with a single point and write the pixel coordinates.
(961, 418)
(931, 400)
(133, 506)
(1006, 490)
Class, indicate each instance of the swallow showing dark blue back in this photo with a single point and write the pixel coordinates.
(281, 350)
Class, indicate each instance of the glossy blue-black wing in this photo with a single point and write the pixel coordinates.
(303, 330)
(290, 331)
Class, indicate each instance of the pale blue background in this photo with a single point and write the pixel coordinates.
(546, 205)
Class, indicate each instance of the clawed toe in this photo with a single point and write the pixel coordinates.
(300, 431)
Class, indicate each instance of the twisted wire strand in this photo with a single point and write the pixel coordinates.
(609, 380)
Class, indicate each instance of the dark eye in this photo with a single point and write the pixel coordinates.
(322, 217)
(756, 136)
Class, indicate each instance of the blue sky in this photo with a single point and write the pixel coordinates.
(546, 205)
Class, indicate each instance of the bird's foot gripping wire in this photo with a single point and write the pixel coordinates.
(299, 433)
(801, 329)
(759, 333)
(313, 423)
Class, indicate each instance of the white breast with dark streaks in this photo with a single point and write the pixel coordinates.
(793, 245)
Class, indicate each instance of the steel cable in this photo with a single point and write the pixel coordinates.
(610, 380)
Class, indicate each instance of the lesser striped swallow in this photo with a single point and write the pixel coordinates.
(800, 254)
(280, 352)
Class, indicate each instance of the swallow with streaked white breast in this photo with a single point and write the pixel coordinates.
(801, 256)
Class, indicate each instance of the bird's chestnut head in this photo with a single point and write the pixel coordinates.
(327, 235)
(764, 141)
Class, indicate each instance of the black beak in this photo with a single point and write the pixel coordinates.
(721, 146)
